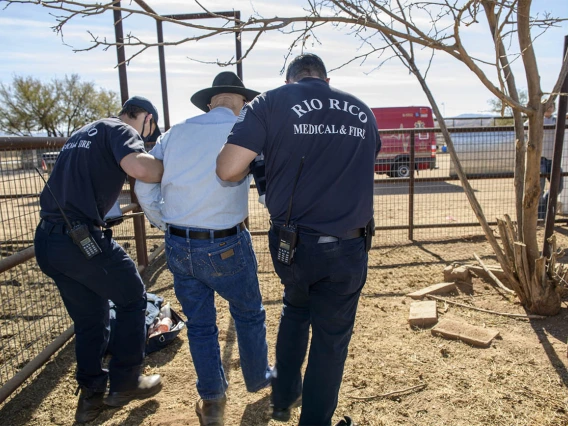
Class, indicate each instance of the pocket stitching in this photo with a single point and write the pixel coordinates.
(241, 265)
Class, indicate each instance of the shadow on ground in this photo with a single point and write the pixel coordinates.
(21, 408)
(554, 327)
(257, 413)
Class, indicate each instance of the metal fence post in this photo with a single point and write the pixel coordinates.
(139, 229)
(238, 50)
(163, 79)
(412, 166)
(120, 55)
(556, 162)
(139, 226)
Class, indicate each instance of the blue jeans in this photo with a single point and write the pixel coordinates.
(321, 290)
(226, 266)
(546, 168)
(86, 287)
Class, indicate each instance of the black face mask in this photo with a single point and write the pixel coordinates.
(145, 138)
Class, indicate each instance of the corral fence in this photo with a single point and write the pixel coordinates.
(428, 205)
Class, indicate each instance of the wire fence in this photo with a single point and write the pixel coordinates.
(428, 204)
(31, 312)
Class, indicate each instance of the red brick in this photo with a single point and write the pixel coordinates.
(476, 336)
(440, 288)
(423, 314)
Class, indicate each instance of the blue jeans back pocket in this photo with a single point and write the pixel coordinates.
(229, 260)
(178, 257)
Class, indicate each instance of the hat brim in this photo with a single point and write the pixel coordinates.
(202, 98)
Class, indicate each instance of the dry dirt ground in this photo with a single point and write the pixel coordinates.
(520, 379)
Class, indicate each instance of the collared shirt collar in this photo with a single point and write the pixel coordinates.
(314, 80)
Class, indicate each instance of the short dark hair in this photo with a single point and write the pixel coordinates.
(132, 111)
(307, 65)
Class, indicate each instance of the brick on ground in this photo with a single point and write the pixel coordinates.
(423, 314)
(440, 288)
(476, 336)
(457, 273)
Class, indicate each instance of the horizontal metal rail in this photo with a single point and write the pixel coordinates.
(27, 370)
(17, 258)
(18, 143)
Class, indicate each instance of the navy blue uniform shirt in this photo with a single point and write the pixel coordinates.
(338, 136)
(87, 177)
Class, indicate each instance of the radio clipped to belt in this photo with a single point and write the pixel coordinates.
(79, 232)
(369, 233)
(288, 234)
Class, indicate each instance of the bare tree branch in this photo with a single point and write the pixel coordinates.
(409, 27)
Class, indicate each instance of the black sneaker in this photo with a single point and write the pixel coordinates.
(283, 414)
(148, 386)
(89, 406)
(346, 422)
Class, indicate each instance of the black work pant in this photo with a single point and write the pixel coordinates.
(86, 286)
(321, 290)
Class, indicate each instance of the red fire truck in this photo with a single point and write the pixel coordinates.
(394, 158)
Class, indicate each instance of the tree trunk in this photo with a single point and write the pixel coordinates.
(459, 170)
(520, 146)
(524, 267)
(536, 291)
(544, 298)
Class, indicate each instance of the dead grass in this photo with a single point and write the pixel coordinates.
(519, 380)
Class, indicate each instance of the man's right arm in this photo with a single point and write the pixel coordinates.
(150, 199)
(244, 143)
(150, 194)
(143, 166)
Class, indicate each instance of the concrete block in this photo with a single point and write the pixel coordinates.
(441, 288)
(476, 336)
(459, 273)
(423, 314)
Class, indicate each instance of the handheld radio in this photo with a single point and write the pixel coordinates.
(79, 233)
(288, 235)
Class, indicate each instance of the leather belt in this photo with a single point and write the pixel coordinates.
(323, 239)
(53, 228)
(60, 228)
(205, 235)
(356, 233)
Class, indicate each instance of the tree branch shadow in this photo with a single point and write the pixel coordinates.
(555, 327)
(21, 408)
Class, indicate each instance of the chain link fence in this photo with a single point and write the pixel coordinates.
(429, 204)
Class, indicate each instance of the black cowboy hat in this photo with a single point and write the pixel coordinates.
(224, 82)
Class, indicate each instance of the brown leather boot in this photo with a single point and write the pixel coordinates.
(211, 411)
(89, 406)
(148, 386)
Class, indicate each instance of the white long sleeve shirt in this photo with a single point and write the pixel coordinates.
(190, 193)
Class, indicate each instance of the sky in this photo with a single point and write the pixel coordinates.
(30, 47)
